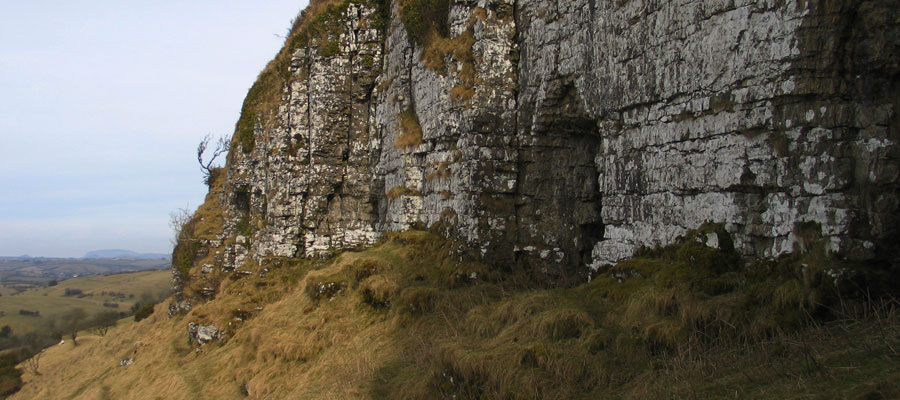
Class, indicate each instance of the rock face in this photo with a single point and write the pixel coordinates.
(568, 134)
(200, 335)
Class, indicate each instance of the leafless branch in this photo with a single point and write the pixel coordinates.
(221, 147)
(34, 362)
(177, 219)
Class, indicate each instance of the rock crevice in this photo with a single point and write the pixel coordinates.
(567, 135)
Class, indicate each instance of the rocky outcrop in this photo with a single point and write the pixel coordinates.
(568, 134)
(200, 335)
(765, 116)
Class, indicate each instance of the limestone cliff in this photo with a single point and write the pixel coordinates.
(566, 134)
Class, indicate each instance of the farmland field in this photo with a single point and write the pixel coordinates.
(117, 292)
(24, 273)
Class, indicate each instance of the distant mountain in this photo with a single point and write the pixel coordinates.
(118, 253)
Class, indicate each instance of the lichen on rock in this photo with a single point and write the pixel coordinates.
(568, 135)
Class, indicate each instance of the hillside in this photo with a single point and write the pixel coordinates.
(29, 272)
(417, 317)
(128, 254)
(93, 294)
(526, 199)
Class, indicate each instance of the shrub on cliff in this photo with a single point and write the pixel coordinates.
(102, 321)
(411, 131)
(182, 222)
(422, 17)
(143, 311)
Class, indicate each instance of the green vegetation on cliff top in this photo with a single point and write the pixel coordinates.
(422, 18)
(320, 25)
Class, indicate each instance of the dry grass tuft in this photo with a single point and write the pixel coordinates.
(441, 171)
(379, 291)
(399, 191)
(386, 84)
(442, 54)
(462, 93)
(441, 49)
(411, 131)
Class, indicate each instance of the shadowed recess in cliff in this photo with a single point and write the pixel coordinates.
(855, 82)
(559, 203)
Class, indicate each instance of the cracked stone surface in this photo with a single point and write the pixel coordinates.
(590, 129)
(199, 334)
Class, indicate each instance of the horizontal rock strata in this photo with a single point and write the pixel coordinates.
(568, 134)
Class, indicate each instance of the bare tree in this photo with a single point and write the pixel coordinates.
(33, 346)
(178, 218)
(104, 320)
(221, 147)
(72, 322)
(32, 363)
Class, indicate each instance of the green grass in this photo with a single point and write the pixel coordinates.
(51, 301)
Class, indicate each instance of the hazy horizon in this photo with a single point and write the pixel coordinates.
(102, 105)
(87, 254)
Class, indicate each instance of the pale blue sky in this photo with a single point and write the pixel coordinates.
(102, 104)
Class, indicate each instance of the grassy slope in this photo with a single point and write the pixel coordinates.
(405, 319)
(416, 317)
(51, 302)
